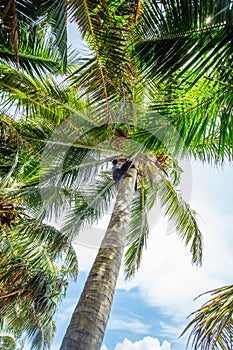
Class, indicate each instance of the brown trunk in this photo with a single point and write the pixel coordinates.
(87, 326)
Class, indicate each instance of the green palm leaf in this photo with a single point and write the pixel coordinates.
(212, 324)
(107, 75)
(31, 284)
(90, 205)
(138, 231)
(202, 117)
(183, 218)
(180, 39)
(25, 16)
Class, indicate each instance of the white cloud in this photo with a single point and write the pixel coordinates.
(168, 279)
(104, 347)
(87, 243)
(86, 255)
(170, 331)
(69, 306)
(131, 325)
(173, 334)
(147, 343)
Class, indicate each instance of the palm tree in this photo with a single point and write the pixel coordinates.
(157, 178)
(172, 52)
(79, 164)
(37, 259)
(31, 283)
(119, 70)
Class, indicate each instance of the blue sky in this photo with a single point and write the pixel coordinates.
(150, 311)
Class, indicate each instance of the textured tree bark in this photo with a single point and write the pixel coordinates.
(87, 326)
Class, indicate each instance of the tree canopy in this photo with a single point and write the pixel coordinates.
(66, 117)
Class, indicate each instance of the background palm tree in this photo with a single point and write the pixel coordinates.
(9, 341)
(31, 283)
(36, 261)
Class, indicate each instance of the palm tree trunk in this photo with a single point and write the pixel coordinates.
(87, 326)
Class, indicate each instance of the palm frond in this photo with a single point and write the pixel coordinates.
(90, 204)
(202, 116)
(42, 337)
(37, 60)
(212, 324)
(181, 39)
(59, 245)
(183, 217)
(107, 29)
(27, 16)
(31, 283)
(138, 231)
(45, 97)
(72, 156)
(58, 18)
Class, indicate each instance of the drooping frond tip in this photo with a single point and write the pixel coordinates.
(138, 231)
(183, 217)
